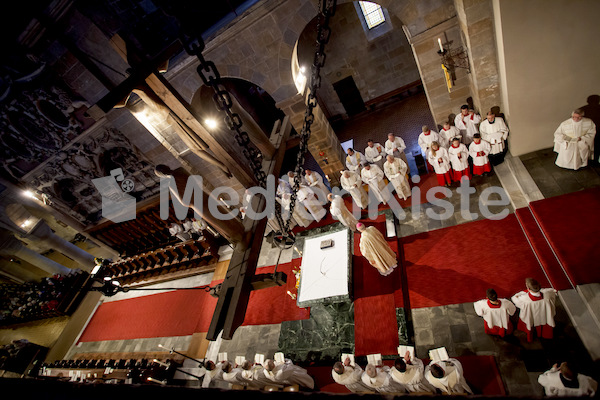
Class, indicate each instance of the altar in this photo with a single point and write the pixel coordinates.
(326, 269)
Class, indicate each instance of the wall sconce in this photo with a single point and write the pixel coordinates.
(452, 59)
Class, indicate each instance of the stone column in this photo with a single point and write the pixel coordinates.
(11, 246)
(41, 231)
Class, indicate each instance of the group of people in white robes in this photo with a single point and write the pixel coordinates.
(408, 375)
(375, 153)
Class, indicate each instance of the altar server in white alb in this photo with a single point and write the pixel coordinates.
(496, 314)
(447, 376)
(447, 133)
(467, 123)
(373, 176)
(439, 159)
(349, 375)
(564, 381)
(537, 310)
(309, 200)
(355, 160)
(286, 373)
(459, 158)
(340, 212)
(352, 183)
(315, 182)
(395, 146)
(395, 170)
(375, 153)
(479, 151)
(574, 141)
(379, 379)
(376, 250)
(410, 373)
(427, 137)
(494, 131)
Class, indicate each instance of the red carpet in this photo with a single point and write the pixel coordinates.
(184, 312)
(571, 223)
(481, 373)
(457, 264)
(542, 249)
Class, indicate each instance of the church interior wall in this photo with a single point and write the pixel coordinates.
(550, 58)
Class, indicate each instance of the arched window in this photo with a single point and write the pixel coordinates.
(373, 13)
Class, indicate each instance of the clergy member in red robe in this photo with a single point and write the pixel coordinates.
(496, 314)
(537, 310)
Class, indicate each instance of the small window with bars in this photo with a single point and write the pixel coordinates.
(373, 13)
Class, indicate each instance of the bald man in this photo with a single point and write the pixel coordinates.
(350, 376)
(378, 378)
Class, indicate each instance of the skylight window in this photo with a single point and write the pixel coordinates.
(373, 13)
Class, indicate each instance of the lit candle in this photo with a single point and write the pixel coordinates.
(440, 43)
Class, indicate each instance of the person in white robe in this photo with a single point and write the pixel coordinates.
(439, 159)
(375, 153)
(426, 137)
(258, 377)
(315, 182)
(213, 375)
(494, 131)
(355, 160)
(376, 249)
(395, 170)
(352, 183)
(574, 141)
(496, 314)
(300, 216)
(479, 150)
(291, 176)
(349, 375)
(340, 212)
(235, 375)
(459, 158)
(536, 310)
(395, 146)
(467, 123)
(562, 381)
(309, 200)
(410, 374)
(373, 176)
(447, 133)
(286, 373)
(447, 376)
(379, 379)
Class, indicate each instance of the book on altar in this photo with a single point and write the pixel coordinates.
(279, 357)
(259, 359)
(222, 357)
(403, 349)
(350, 356)
(239, 360)
(439, 354)
(374, 359)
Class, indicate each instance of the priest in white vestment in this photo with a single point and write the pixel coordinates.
(286, 373)
(373, 176)
(355, 160)
(349, 375)
(315, 182)
(426, 137)
(410, 374)
(395, 170)
(496, 314)
(574, 141)
(479, 151)
(379, 379)
(447, 376)
(467, 123)
(562, 381)
(537, 310)
(235, 375)
(439, 159)
(214, 374)
(376, 249)
(300, 216)
(309, 200)
(352, 183)
(494, 131)
(459, 158)
(447, 133)
(340, 212)
(292, 175)
(375, 153)
(395, 146)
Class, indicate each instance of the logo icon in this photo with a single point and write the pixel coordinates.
(117, 205)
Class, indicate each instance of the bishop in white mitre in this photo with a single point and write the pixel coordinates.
(574, 141)
(355, 160)
(379, 379)
(537, 310)
(410, 373)
(352, 183)
(349, 375)
(496, 314)
(395, 170)
(376, 250)
(494, 131)
(315, 182)
(340, 212)
(373, 176)
(447, 376)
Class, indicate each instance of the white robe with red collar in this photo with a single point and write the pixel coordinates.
(462, 162)
(496, 317)
(425, 140)
(468, 125)
(537, 312)
(446, 136)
